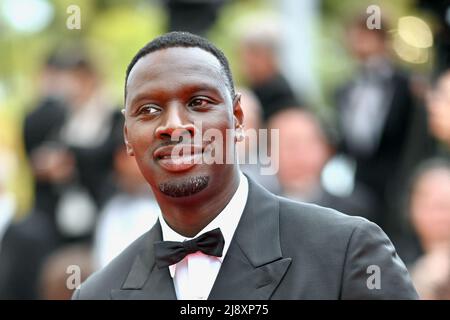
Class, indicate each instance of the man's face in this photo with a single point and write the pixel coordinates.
(438, 103)
(430, 207)
(173, 96)
(257, 62)
(364, 43)
(303, 148)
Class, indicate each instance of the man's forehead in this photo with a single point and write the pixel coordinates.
(176, 60)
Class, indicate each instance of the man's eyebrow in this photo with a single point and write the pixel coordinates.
(140, 96)
(204, 87)
(187, 89)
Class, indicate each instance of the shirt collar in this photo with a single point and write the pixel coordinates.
(227, 220)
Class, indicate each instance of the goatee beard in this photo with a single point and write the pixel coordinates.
(185, 187)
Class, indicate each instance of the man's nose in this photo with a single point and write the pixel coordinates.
(175, 125)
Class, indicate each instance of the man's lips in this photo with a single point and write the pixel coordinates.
(176, 158)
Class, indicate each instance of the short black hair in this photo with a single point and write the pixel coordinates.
(187, 40)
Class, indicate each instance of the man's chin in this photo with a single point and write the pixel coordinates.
(186, 186)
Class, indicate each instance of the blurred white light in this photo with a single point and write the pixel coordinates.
(338, 176)
(415, 32)
(75, 213)
(27, 15)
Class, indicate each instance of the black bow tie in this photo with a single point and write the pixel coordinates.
(171, 252)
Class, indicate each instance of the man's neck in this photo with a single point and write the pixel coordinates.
(188, 218)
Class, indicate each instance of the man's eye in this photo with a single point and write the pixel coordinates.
(149, 109)
(198, 103)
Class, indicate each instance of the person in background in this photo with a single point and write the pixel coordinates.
(130, 212)
(374, 114)
(249, 147)
(258, 53)
(438, 106)
(304, 150)
(64, 270)
(69, 138)
(430, 218)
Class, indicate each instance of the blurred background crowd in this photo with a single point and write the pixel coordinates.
(363, 116)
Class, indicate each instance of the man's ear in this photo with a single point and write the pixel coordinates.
(130, 151)
(238, 114)
(238, 117)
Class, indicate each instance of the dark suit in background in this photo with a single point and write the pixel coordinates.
(379, 158)
(281, 250)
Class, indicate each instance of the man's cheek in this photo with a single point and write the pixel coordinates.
(145, 167)
(140, 141)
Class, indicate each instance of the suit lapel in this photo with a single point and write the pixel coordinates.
(253, 266)
(145, 280)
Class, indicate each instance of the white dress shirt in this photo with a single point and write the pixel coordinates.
(194, 276)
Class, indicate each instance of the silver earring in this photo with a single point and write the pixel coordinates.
(240, 134)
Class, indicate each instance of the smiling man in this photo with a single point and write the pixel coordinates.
(221, 235)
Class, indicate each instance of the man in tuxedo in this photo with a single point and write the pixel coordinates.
(375, 115)
(221, 235)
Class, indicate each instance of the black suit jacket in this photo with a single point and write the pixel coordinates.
(281, 250)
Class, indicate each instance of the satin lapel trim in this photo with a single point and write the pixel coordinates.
(158, 287)
(254, 264)
(146, 281)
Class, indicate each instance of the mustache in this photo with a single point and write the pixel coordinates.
(172, 142)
